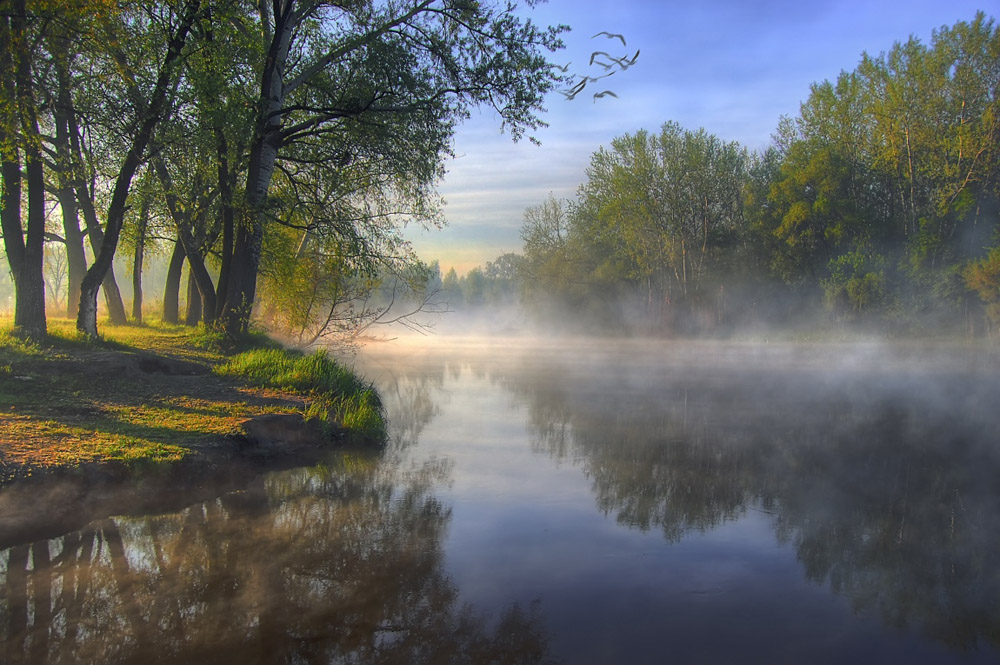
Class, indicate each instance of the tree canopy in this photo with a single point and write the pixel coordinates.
(877, 205)
(330, 120)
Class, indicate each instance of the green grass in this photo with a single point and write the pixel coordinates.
(339, 395)
(67, 400)
(14, 347)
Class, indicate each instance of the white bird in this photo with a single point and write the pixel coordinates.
(611, 35)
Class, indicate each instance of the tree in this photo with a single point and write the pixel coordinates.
(983, 277)
(20, 146)
(148, 112)
(409, 71)
(667, 210)
(504, 275)
(57, 55)
(452, 287)
(558, 271)
(887, 180)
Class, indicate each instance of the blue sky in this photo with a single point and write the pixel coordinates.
(733, 67)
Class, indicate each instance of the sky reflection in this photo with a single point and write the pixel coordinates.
(776, 504)
(577, 503)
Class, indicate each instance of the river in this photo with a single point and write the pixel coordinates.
(573, 501)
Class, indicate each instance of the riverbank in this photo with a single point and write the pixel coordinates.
(155, 397)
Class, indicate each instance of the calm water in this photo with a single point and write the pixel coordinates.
(577, 503)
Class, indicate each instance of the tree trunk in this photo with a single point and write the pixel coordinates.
(137, 282)
(10, 207)
(226, 182)
(112, 294)
(140, 247)
(193, 301)
(172, 287)
(242, 286)
(10, 168)
(29, 304)
(85, 203)
(200, 277)
(242, 291)
(76, 257)
(86, 321)
(192, 248)
(228, 214)
(113, 298)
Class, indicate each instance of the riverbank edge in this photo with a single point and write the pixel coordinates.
(148, 399)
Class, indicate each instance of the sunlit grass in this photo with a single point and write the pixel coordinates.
(338, 395)
(13, 346)
(66, 400)
(72, 445)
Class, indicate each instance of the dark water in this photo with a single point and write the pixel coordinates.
(575, 503)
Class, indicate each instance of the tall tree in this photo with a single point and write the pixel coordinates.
(667, 209)
(21, 147)
(411, 70)
(147, 116)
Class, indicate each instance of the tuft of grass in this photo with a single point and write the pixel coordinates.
(362, 413)
(213, 339)
(13, 347)
(339, 396)
(138, 451)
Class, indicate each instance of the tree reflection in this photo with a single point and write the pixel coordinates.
(884, 481)
(410, 389)
(337, 563)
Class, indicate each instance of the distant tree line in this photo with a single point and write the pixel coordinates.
(876, 206)
(498, 284)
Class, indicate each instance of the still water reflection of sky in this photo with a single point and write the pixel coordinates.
(728, 584)
(573, 502)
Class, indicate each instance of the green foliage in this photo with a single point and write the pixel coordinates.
(656, 222)
(873, 202)
(474, 287)
(983, 277)
(339, 396)
(856, 286)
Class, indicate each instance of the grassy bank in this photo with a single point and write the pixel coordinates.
(150, 395)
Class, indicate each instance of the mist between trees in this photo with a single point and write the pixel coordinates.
(876, 208)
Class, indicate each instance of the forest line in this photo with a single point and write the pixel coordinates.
(876, 206)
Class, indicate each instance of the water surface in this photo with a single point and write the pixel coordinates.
(575, 502)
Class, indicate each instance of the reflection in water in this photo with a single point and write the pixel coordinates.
(338, 563)
(884, 476)
(878, 466)
(736, 487)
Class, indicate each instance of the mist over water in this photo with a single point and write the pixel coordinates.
(808, 503)
(579, 501)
